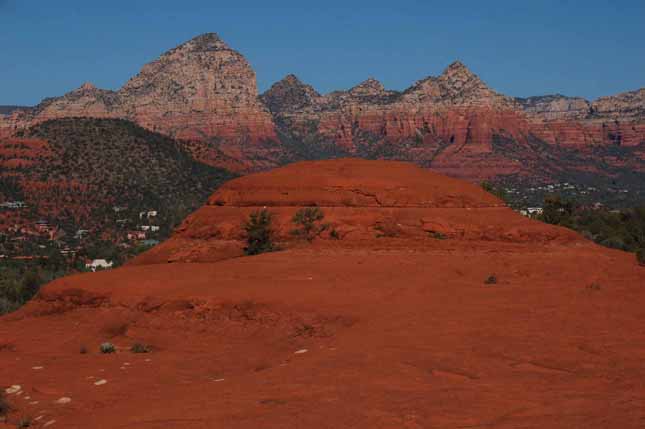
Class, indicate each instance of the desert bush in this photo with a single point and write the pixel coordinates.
(24, 422)
(308, 221)
(140, 348)
(82, 350)
(259, 233)
(491, 280)
(640, 256)
(437, 235)
(495, 190)
(7, 306)
(107, 348)
(4, 404)
(334, 235)
(388, 228)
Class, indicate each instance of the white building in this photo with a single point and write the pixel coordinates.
(99, 263)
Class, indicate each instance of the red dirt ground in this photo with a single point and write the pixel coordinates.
(399, 332)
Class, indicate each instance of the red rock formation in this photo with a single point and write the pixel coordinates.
(452, 123)
(358, 204)
(401, 331)
(200, 90)
(205, 92)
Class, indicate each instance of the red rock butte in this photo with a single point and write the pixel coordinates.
(390, 324)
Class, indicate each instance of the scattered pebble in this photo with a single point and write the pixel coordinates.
(148, 360)
(122, 367)
(90, 377)
(49, 423)
(219, 379)
(34, 403)
(13, 389)
(27, 398)
(126, 363)
(37, 368)
(299, 352)
(100, 382)
(38, 418)
(64, 400)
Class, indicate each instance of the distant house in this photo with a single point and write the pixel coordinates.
(535, 210)
(42, 226)
(81, 233)
(98, 264)
(151, 228)
(13, 205)
(148, 214)
(136, 235)
(150, 242)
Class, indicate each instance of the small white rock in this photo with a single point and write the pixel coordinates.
(13, 389)
(64, 400)
(38, 418)
(37, 368)
(219, 379)
(299, 352)
(100, 382)
(34, 403)
(49, 423)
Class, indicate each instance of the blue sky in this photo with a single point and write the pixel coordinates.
(586, 48)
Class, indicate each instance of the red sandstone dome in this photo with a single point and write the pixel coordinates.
(359, 198)
(397, 330)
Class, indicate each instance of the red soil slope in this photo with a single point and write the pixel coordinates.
(359, 332)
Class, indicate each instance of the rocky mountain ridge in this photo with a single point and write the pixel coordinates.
(205, 93)
(199, 90)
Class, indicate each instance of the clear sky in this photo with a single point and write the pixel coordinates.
(585, 48)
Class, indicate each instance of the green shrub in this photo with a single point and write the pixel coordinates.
(308, 219)
(334, 235)
(259, 234)
(140, 348)
(437, 235)
(107, 348)
(491, 280)
(495, 190)
(640, 256)
(4, 405)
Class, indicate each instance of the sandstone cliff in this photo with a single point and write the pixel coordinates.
(201, 89)
(205, 93)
